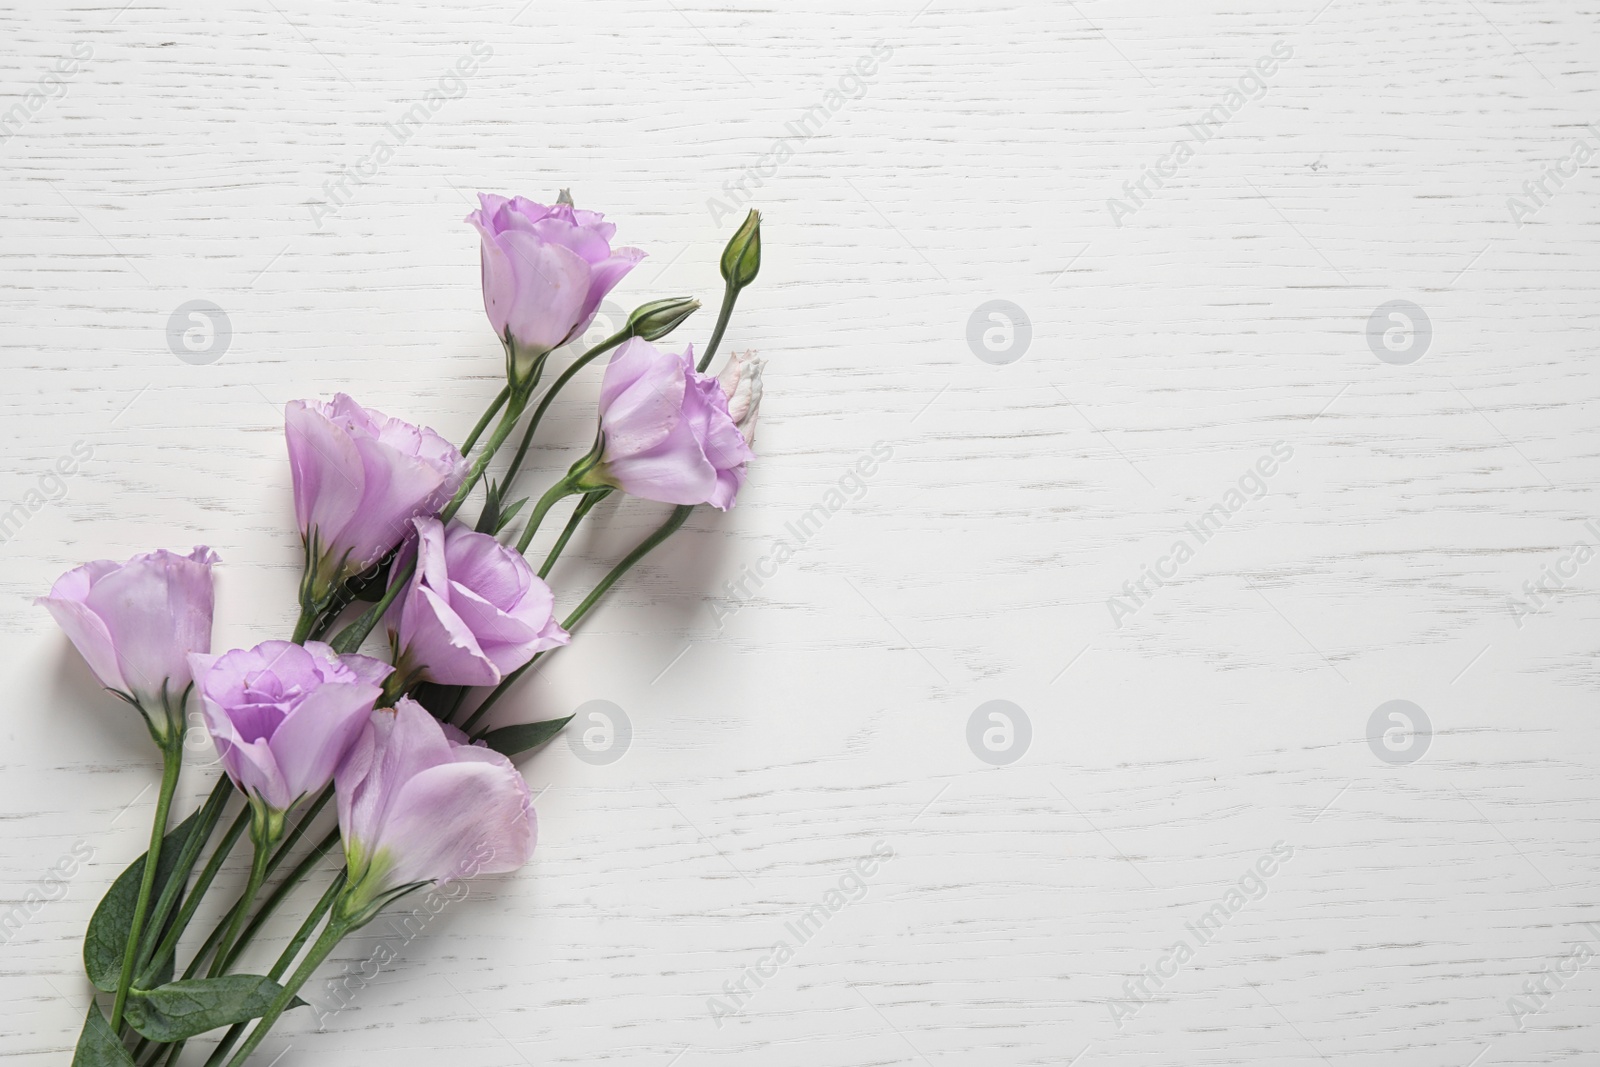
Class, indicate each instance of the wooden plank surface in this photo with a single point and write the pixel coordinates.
(1200, 249)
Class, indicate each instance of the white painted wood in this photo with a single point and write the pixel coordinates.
(183, 161)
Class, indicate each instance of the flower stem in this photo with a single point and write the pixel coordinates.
(171, 762)
(258, 874)
(330, 937)
(286, 957)
(303, 625)
(517, 402)
(210, 812)
(679, 515)
(564, 487)
(730, 296)
(282, 890)
(585, 506)
(191, 903)
(483, 420)
(555, 387)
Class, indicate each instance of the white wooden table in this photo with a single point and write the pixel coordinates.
(1424, 480)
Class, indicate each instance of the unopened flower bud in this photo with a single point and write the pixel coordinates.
(741, 260)
(655, 320)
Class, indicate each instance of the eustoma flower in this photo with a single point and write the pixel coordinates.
(545, 271)
(666, 430)
(741, 382)
(135, 624)
(474, 611)
(282, 717)
(360, 477)
(418, 805)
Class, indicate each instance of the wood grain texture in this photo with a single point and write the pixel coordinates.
(186, 160)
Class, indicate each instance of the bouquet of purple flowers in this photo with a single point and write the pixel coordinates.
(426, 795)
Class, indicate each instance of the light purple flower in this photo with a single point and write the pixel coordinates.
(283, 715)
(545, 271)
(474, 610)
(667, 431)
(419, 804)
(135, 623)
(360, 477)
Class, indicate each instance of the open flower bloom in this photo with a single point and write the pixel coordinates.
(418, 804)
(360, 477)
(474, 611)
(135, 623)
(545, 271)
(666, 430)
(283, 715)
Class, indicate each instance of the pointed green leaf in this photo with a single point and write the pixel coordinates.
(107, 935)
(97, 1045)
(515, 740)
(508, 514)
(180, 1010)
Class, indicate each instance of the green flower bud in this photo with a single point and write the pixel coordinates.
(742, 258)
(655, 320)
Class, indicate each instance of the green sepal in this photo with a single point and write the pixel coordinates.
(97, 1045)
(180, 1010)
(515, 740)
(107, 936)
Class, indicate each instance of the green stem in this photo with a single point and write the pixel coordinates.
(585, 506)
(555, 387)
(286, 957)
(171, 762)
(209, 814)
(483, 420)
(349, 639)
(679, 515)
(303, 625)
(330, 937)
(730, 296)
(283, 889)
(278, 857)
(562, 488)
(191, 903)
(258, 874)
(516, 404)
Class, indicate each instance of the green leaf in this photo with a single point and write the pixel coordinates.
(97, 1045)
(178, 1011)
(107, 935)
(515, 740)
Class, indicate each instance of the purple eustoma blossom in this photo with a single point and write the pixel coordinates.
(360, 477)
(474, 610)
(545, 271)
(666, 430)
(418, 804)
(283, 716)
(135, 624)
